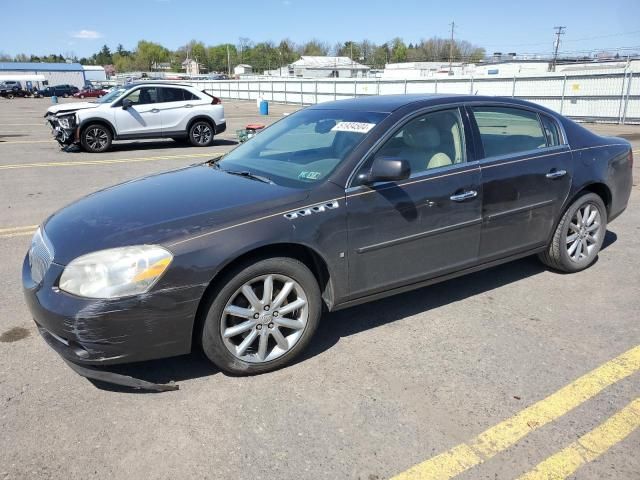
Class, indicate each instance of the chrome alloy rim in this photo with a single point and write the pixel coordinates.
(96, 138)
(202, 133)
(585, 230)
(265, 318)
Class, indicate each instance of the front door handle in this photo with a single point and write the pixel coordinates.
(155, 110)
(556, 174)
(188, 106)
(461, 197)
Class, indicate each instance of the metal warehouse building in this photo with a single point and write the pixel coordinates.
(53, 73)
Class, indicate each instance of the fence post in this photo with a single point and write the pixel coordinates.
(285, 91)
(272, 90)
(301, 93)
(355, 88)
(378, 87)
(405, 86)
(513, 87)
(471, 87)
(335, 96)
(626, 103)
(436, 86)
(564, 87)
(622, 97)
(316, 90)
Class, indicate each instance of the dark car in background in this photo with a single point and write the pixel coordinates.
(90, 92)
(59, 91)
(332, 206)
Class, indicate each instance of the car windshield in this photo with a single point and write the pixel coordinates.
(112, 95)
(302, 148)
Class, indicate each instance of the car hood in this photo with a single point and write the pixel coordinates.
(70, 107)
(162, 209)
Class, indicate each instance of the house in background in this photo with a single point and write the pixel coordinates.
(192, 67)
(327, 67)
(243, 69)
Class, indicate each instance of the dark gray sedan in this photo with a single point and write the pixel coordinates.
(332, 206)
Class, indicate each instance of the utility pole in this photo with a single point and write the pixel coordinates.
(453, 26)
(228, 60)
(559, 31)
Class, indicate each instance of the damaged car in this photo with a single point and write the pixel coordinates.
(335, 205)
(139, 111)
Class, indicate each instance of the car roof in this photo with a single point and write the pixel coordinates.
(164, 83)
(390, 103)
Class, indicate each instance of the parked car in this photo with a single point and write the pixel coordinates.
(334, 205)
(90, 92)
(139, 110)
(59, 91)
(12, 89)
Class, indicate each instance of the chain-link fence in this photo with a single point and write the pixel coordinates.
(601, 97)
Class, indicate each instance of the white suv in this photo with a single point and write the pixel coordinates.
(137, 111)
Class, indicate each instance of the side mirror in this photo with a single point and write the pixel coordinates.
(126, 103)
(387, 169)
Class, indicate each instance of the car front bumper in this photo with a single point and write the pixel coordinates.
(94, 332)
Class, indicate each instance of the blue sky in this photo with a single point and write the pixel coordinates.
(524, 27)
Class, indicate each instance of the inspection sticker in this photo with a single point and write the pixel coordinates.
(359, 127)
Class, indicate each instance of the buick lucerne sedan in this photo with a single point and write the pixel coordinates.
(335, 205)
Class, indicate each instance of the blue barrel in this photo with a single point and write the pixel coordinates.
(264, 107)
(54, 99)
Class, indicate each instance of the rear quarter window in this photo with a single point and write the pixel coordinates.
(506, 130)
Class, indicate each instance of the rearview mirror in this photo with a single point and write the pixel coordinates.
(126, 103)
(387, 169)
(324, 126)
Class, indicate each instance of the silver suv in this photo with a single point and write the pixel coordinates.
(139, 111)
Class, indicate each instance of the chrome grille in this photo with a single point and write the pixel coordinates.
(40, 256)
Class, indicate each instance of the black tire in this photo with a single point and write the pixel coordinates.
(81, 96)
(66, 95)
(212, 342)
(557, 255)
(201, 133)
(96, 138)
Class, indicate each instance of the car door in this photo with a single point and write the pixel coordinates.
(143, 117)
(425, 226)
(176, 107)
(526, 174)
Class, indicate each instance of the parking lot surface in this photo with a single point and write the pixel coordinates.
(512, 372)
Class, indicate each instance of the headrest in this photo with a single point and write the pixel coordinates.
(421, 135)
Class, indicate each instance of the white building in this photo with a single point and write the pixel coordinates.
(243, 69)
(327, 67)
(94, 73)
(53, 73)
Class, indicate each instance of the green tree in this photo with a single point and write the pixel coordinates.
(148, 53)
(315, 48)
(398, 51)
(103, 57)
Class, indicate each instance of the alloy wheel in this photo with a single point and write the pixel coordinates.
(96, 138)
(583, 235)
(202, 133)
(264, 318)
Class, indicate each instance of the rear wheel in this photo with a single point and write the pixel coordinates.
(578, 236)
(201, 134)
(96, 138)
(81, 96)
(262, 316)
(66, 95)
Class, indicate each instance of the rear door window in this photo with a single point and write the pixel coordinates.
(507, 130)
(550, 131)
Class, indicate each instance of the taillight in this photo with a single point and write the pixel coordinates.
(216, 101)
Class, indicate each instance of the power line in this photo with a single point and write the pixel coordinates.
(559, 31)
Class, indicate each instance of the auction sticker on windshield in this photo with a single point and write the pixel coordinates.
(359, 127)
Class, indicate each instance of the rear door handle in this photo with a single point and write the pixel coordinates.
(461, 197)
(556, 174)
(155, 110)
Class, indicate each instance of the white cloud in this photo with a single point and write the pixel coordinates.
(87, 34)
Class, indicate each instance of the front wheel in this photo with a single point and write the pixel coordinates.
(81, 96)
(201, 134)
(578, 236)
(261, 316)
(66, 95)
(96, 138)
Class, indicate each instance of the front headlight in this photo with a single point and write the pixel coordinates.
(68, 121)
(117, 272)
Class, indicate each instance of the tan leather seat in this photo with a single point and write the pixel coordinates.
(422, 147)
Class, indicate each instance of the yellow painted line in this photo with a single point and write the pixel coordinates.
(17, 234)
(505, 434)
(26, 141)
(589, 446)
(17, 229)
(75, 163)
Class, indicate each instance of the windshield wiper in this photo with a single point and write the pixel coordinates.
(247, 174)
